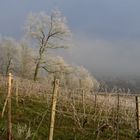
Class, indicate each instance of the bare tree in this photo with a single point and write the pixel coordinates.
(48, 32)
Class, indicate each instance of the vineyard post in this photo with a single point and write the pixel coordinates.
(83, 102)
(54, 101)
(118, 108)
(138, 116)
(17, 92)
(9, 133)
(95, 100)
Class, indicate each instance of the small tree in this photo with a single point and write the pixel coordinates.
(82, 79)
(57, 67)
(9, 55)
(27, 61)
(48, 32)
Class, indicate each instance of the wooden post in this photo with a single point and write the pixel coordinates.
(54, 100)
(138, 116)
(9, 81)
(95, 100)
(84, 110)
(118, 108)
(83, 101)
(8, 101)
(17, 92)
(9, 134)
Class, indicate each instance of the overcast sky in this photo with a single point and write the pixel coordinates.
(106, 32)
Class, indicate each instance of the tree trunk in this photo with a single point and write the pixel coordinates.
(8, 66)
(36, 70)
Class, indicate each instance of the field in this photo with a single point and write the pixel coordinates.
(79, 115)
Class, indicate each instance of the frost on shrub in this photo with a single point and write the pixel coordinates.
(82, 79)
(71, 77)
(57, 67)
(23, 131)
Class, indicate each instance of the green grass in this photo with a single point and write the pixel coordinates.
(31, 120)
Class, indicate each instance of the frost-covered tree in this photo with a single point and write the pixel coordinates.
(71, 77)
(26, 61)
(9, 55)
(48, 31)
(81, 79)
(57, 67)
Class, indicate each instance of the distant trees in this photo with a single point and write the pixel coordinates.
(26, 61)
(48, 33)
(19, 58)
(44, 32)
(71, 77)
(81, 79)
(57, 65)
(16, 57)
(9, 54)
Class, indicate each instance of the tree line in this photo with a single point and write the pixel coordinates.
(31, 57)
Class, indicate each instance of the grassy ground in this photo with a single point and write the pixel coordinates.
(75, 120)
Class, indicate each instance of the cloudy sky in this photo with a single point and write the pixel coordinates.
(106, 33)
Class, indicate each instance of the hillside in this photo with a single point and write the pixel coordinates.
(92, 116)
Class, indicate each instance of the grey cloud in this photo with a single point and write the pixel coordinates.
(106, 58)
